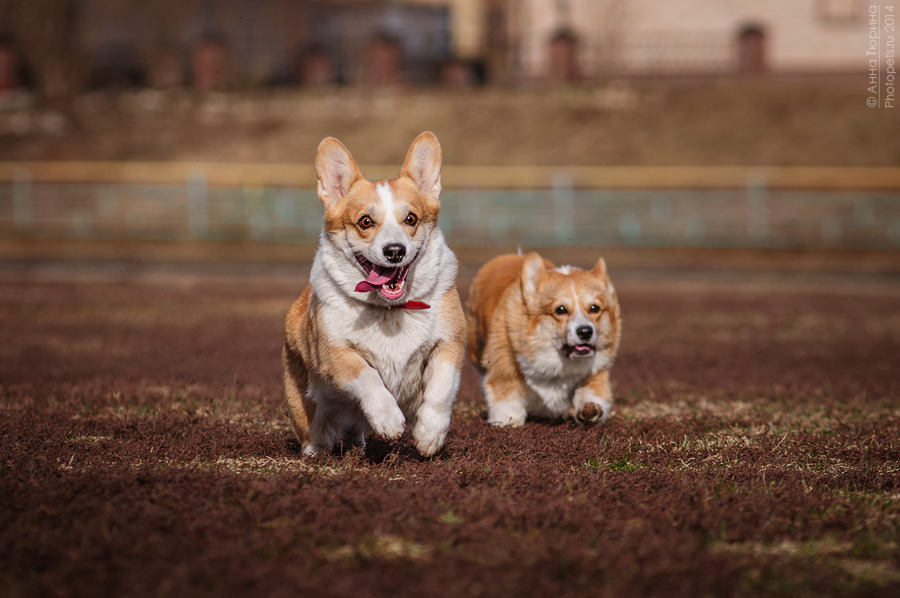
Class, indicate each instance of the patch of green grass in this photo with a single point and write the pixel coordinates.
(869, 544)
(797, 568)
(622, 465)
(381, 547)
(594, 463)
(451, 518)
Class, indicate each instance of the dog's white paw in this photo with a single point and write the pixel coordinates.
(507, 423)
(312, 450)
(387, 421)
(428, 447)
(430, 432)
(508, 412)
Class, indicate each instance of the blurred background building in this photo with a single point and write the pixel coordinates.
(641, 37)
(581, 112)
(70, 45)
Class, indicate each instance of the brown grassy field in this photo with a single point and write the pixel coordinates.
(754, 449)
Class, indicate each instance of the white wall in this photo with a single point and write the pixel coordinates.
(644, 36)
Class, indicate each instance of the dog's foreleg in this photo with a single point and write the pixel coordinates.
(377, 404)
(441, 377)
(505, 396)
(593, 400)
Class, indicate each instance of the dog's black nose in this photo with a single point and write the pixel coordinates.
(394, 252)
(584, 332)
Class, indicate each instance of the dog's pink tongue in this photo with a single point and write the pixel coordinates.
(374, 280)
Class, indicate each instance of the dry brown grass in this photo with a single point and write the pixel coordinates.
(144, 451)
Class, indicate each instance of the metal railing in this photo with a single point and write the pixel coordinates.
(526, 206)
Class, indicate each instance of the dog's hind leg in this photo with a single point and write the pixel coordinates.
(354, 437)
(301, 409)
(324, 432)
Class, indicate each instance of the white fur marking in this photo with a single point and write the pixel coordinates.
(391, 231)
(386, 196)
(578, 319)
(564, 270)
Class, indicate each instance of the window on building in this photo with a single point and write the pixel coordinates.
(840, 11)
(752, 50)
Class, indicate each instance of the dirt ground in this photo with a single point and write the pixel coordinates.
(144, 450)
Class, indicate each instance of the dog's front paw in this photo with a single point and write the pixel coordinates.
(590, 413)
(428, 446)
(509, 422)
(590, 409)
(388, 421)
(430, 432)
(314, 450)
(507, 412)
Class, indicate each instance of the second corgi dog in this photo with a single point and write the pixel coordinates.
(544, 339)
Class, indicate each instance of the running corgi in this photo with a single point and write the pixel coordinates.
(376, 340)
(544, 339)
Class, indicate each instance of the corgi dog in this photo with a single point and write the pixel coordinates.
(376, 341)
(544, 339)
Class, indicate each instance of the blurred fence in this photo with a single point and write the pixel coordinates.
(529, 207)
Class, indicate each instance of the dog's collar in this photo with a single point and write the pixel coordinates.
(412, 304)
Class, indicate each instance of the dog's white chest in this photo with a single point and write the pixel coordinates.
(551, 383)
(395, 342)
(395, 339)
(550, 398)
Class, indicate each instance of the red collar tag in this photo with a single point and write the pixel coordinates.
(414, 305)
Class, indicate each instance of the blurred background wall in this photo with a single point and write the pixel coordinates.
(69, 45)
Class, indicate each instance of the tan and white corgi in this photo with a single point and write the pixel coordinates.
(544, 339)
(376, 340)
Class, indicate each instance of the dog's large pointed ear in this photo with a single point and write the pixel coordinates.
(336, 171)
(533, 272)
(423, 164)
(599, 269)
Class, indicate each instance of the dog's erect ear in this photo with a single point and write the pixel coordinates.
(599, 269)
(335, 170)
(423, 164)
(533, 272)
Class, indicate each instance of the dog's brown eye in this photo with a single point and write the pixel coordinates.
(594, 309)
(412, 219)
(561, 310)
(366, 222)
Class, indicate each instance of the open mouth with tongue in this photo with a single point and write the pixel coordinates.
(584, 350)
(389, 282)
